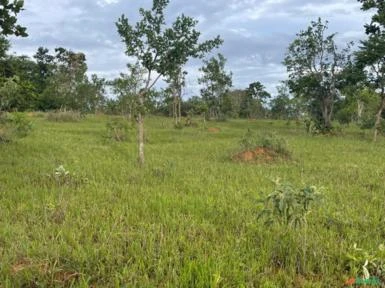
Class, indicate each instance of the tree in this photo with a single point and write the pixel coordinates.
(8, 20)
(127, 87)
(176, 82)
(45, 63)
(69, 76)
(371, 56)
(216, 83)
(252, 104)
(160, 49)
(314, 64)
(282, 106)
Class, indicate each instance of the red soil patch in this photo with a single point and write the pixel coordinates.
(214, 130)
(259, 154)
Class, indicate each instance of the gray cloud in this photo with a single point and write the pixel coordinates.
(256, 32)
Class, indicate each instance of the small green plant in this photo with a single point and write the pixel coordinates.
(179, 126)
(64, 116)
(289, 206)
(13, 126)
(366, 263)
(118, 129)
(63, 177)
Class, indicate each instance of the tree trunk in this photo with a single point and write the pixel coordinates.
(141, 131)
(174, 109)
(179, 109)
(377, 125)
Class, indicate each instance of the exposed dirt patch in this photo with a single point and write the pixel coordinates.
(214, 130)
(259, 154)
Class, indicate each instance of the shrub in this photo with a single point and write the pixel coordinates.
(64, 116)
(179, 126)
(289, 206)
(267, 140)
(13, 126)
(62, 177)
(118, 129)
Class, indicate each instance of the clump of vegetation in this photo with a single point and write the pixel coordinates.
(288, 205)
(366, 263)
(63, 177)
(118, 129)
(264, 146)
(13, 126)
(64, 116)
(179, 126)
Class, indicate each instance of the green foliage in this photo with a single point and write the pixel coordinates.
(64, 116)
(313, 62)
(8, 20)
(179, 125)
(366, 263)
(216, 84)
(13, 126)
(63, 177)
(119, 129)
(289, 206)
(269, 140)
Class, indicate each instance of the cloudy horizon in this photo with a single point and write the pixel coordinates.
(256, 33)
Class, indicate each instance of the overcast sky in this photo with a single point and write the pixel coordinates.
(256, 32)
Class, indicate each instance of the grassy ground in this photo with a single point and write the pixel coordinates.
(189, 217)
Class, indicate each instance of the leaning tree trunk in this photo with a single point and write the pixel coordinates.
(377, 125)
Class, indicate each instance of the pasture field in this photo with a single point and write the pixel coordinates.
(189, 217)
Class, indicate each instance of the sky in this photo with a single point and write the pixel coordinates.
(256, 33)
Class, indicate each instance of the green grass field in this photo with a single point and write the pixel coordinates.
(189, 217)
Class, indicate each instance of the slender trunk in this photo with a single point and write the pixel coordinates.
(327, 112)
(174, 108)
(377, 125)
(141, 131)
(179, 108)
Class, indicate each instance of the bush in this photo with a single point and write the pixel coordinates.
(64, 116)
(289, 206)
(118, 129)
(13, 126)
(179, 126)
(268, 140)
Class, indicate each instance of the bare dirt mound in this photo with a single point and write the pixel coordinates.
(214, 130)
(259, 154)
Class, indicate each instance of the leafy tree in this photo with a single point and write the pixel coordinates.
(160, 49)
(314, 64)
(252, 104)
(45, 64)
(69, 76)
(127, 88)
(176, 82)
(216, 83)
(18, 83)
(371, 56)
(8, 20)
(282, 106)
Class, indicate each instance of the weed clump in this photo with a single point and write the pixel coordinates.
(13, 126)
(63, 177)
(118, 129)
(64, 116)
(262, 147)
(289, 206)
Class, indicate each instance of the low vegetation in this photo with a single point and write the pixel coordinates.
(76, 211)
